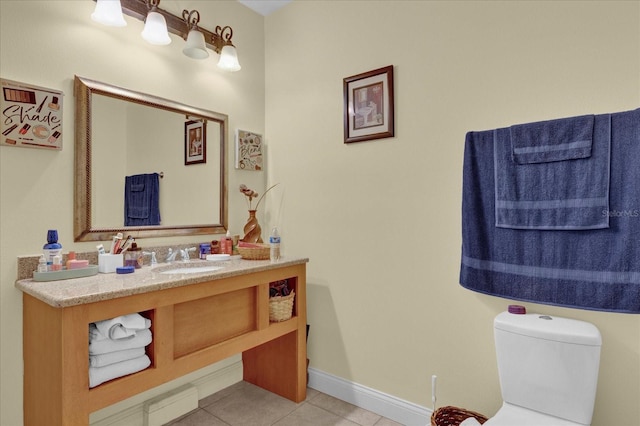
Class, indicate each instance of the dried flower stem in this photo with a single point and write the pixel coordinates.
(265, 193)
(251, 194)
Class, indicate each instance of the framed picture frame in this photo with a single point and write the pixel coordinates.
(368, 105)
(195, 142)
(249, 151)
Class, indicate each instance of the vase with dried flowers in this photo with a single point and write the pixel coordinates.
(252, 229)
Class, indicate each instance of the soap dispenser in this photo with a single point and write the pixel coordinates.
(133, 256)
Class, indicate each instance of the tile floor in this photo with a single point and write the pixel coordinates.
(244, 404)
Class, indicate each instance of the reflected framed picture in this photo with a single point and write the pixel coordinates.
(368, 105)
(195, 142)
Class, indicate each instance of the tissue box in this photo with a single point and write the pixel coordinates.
(107, 263)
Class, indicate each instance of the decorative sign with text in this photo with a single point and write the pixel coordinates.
(31, 116)
(248, 150)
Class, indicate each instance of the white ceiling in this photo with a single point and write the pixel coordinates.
(265, 7)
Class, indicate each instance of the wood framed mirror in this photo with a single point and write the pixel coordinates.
(120, 133)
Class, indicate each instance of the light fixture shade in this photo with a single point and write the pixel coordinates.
(109, 12)
(229, 59)
(155, 29)
(195, 46)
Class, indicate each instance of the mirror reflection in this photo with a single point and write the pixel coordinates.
(135, 165)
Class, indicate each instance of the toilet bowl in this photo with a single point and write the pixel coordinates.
(548, 368)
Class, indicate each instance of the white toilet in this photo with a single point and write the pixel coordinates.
(548, 369)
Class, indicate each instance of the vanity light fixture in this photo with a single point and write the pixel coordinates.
(155, 26)
(149, 12)
(222, 45)
(109, 12)
(195, 47)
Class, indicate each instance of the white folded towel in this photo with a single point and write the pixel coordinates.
(102, 360)
(470, 421)
(94, 334)
(122, 327)
(140, 340)
(98, 375)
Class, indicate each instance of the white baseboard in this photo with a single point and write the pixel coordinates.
(388, 406)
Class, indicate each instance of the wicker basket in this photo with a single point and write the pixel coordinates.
(281, 307)
(453, 416)
(254, 253)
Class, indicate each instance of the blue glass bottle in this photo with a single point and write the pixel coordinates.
(52, 248)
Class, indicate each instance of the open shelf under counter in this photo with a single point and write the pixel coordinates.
(197, 319)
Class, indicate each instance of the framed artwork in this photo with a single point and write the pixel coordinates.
(248, 151)
(195, 142)
(31, 116)
(368, 105)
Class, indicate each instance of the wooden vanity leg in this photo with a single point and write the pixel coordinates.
(55, 353)
(279, 366)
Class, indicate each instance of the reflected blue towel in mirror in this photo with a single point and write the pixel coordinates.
(141, 200)
(588, 269)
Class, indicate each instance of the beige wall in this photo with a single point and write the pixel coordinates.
(380, 220)
(45, 43)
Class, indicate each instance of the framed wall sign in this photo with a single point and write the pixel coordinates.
(195, 142)
(368, 105)
(248, 150)
(31, 116)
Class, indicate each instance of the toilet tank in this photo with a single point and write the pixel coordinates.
(548, 364)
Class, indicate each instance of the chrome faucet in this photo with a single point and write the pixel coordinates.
(171, 255)
(185, 253)
(153, 261)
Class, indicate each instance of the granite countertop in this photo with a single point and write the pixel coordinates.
(100, 287)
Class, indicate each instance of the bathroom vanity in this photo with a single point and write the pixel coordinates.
(198, 318)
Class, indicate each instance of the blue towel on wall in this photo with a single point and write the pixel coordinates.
(141, 200)
(587, 269)
(553, 140)
(553, 174)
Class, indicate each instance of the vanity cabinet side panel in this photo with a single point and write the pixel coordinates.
(55, 345)
(280, 365)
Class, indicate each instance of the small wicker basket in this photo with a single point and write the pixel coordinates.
(281, 307)
(254, 253)
(453, 416)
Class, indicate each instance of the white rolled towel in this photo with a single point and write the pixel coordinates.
(102, 360)
(99, 375)
(140, 340)
(122, 327)
(470, 421)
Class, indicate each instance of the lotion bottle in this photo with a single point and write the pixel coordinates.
(228, 244)
(57, 263)
(42, 264)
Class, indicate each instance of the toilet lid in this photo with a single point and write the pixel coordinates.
(510, 415)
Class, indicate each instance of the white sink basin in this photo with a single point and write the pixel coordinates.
(193, 270)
